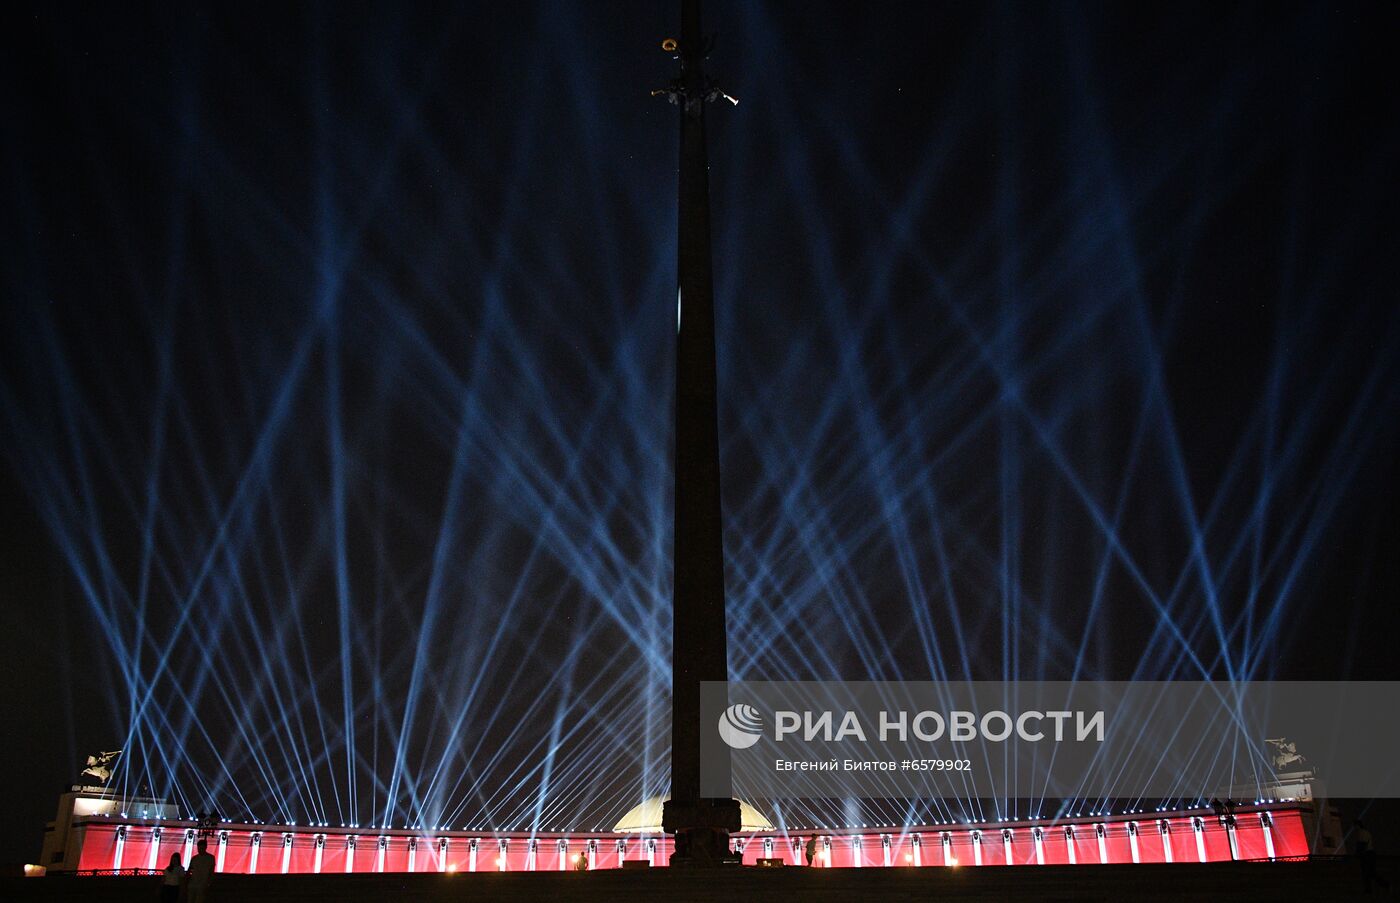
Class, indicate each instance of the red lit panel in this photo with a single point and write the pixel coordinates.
(396, 856)
(99, 847)
(1151, 847)
(171, 841)
(333, 855)
(425, 855)
(1023, 847)
(238, 853)
(1290, 837)
(1117, 844)
(361, 858)
(1055, 846)
(303, 855)
(1086, 845)
(960, 848)
(1217, 841)
(1249, 836)
(607, 855)
(782, 849)
(137, 848)
(518, 855)
(902, 850)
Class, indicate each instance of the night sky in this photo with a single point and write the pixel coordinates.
(336, 377)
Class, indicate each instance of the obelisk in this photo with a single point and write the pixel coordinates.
(701, 825)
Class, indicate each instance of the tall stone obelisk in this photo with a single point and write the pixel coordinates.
(701, 825)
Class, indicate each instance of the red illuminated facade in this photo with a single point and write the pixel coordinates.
(1275, 831)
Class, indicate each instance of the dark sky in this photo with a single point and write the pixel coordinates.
(1055, 340)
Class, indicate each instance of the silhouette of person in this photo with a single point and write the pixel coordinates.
(812, 850)
(201, 872)
(1366, 853)
(172, 881)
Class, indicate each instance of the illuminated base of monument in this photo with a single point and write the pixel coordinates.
(106, 841)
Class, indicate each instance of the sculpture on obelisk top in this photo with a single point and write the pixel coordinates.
(100, 766)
